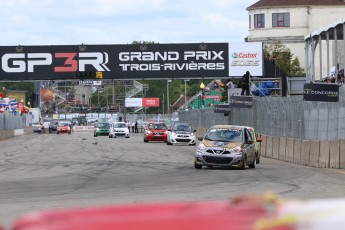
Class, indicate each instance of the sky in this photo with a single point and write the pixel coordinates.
(72, 22)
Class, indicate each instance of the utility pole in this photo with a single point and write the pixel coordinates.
(168, 105)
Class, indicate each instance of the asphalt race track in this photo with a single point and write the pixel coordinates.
(44, 171)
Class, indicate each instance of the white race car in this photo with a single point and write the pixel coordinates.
(119, 129)
(181, 133)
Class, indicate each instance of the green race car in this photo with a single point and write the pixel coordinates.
(102, 129)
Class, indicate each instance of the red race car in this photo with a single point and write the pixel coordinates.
(63, 127)
(156, 131)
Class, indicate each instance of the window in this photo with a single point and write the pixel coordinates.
(250, 26)
(259, 21)
(281, 20)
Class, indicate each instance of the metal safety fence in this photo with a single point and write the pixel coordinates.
(203, 118)
(12, 122)
(281, 116)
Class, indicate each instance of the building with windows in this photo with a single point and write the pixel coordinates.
(290, 20)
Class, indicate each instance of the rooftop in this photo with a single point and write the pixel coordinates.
(270, 3)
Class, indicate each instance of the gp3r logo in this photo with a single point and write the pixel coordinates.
(21, 62)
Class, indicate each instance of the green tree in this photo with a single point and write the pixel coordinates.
(282, 57)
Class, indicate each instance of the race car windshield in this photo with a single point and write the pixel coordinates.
(103, 125)
(157, 126)
(63, 124)
(224, 135)
(120, 125)
(182, 128)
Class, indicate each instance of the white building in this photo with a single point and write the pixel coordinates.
(290, 20)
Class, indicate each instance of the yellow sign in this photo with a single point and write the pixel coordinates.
(99, 75)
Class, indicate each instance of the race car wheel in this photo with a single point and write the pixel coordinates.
(95, 135)
(145, 140)
(257, 158)
(252, 165)
(197, 166)
(57, 132)
(244, 163)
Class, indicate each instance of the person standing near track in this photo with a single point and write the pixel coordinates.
(245, 83)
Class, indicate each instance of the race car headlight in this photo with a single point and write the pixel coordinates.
(192, 134)
(148, 131)
(237, 149)
(166, 132)
(97, 129)
(201, 146)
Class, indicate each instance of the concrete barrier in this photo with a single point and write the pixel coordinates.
(5, 134)
(200, 132)
(289, 152)
(334, 154)
(263, 145)
(314, 153)
(305, 153)
(342, 154)
(18, 132)
(275, 147)
(282, 149)
(324, 154)
(269, 146)
(297, 151)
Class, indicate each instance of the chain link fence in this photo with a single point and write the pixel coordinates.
(281, 116)
(204, 118)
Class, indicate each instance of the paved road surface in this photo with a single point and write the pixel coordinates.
(44, 171)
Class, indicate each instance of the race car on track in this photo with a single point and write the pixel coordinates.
(257, 141)
(101, 129)
(181, 133)
(119, 129)
(156, 131)
(63, 127)
(226, 146)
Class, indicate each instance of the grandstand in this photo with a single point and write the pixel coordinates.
(212, 96)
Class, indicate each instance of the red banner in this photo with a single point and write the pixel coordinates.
(151, 102)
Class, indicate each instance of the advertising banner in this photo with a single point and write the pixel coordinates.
(139, 61)
(241, 101)
(222, 108)
(327, 92)
(142, 102)
(151, 102)
(245, 56)
(133, 102)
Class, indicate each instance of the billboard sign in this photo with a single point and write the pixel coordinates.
(222, 108)
(245, 56)
(241, 101)
(327, 92)
(151, 102)
(139, 61)
(142, 102)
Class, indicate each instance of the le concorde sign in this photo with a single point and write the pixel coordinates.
(151, 61)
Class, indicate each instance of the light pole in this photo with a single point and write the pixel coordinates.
(202, 86)
(168, 106)
(185, 94)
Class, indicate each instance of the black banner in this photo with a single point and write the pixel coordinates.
(241, 101)
(151, 61)
(321, 92)
(222, 108)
